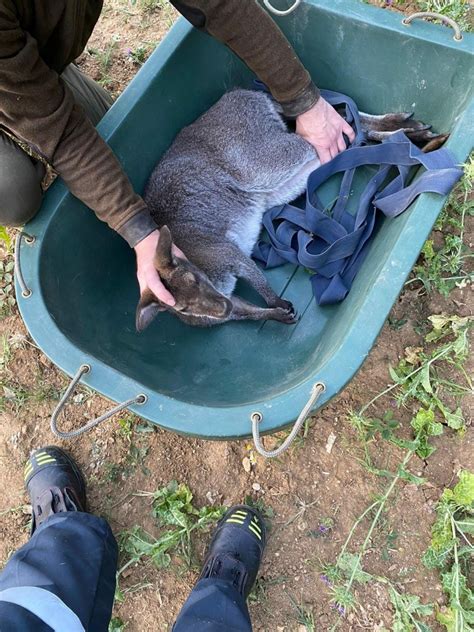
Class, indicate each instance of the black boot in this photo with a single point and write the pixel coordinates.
(236, 549)
(54, 483)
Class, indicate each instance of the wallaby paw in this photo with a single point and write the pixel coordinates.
(395, 120)
(417, 131)
(420, 137)
(435, 143)
(280, 302)
(286, 314)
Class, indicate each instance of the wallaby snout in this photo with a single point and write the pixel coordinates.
(196, 298)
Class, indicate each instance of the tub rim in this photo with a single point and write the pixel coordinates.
(278, 411)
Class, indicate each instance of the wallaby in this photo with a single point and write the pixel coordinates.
(208, 195)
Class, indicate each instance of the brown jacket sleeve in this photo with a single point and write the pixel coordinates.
(252, 34)
(39, 109)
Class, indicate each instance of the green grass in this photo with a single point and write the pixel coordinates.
(428, 377)
(15, 396)
(139, 55)
(432, 375)
(457, 10)
(446, 262)
(435, 372)
(105, 57)
(126, 426)
(136, 456)
(265, 510)
(149, 7)
(348, 566)
(5, 352)
(304, 614)
(259, 594)
(7, 291)
(5, 238)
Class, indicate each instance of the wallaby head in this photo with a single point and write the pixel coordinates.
(192, 290)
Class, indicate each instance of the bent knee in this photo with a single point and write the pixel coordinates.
(20, 195)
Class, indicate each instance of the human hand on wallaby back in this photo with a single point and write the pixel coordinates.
(324, 129)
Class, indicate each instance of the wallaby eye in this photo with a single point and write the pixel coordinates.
(189, 277)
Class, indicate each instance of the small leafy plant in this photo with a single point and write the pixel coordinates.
(304, 615)
(426, 383)
(140, 54)
(117, 625)
(348, 569)
(445, 262)
(265, 510)
(421, 375)
(177, 519)
(136, 456)
(407, 612)
(7, 298)
(452, 552)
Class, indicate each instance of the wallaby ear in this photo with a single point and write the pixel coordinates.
(164, 256)
(148, 307)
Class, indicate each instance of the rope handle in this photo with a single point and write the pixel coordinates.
(257, 417)
(272, 9)
(437, 16)
(83, 369)
(26, 292)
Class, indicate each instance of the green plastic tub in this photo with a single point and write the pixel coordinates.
(208, 382)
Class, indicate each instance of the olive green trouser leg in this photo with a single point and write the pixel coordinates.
(20, 175)
(92, 97)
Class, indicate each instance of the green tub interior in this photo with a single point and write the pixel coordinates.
(86, 272)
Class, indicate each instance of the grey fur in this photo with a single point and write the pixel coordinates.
(211, 189)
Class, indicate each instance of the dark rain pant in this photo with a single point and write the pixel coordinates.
(20, 175)
(63, 579)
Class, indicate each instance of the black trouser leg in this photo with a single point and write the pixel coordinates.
(214, 605)
(72, 555)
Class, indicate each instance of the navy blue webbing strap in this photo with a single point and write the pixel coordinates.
(333, 247)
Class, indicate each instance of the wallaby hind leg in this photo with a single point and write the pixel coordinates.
(246, 269)
(243, 310)
(379, 127)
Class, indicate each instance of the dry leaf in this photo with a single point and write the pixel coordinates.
(412, 355)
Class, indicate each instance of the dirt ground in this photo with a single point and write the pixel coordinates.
(333, 485)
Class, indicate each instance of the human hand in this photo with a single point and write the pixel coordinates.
(323, 128)
(148, 277)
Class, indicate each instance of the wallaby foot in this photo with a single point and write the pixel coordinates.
(435, 143)
(379, 127)
(243, 310)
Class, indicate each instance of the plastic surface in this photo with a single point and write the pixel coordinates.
(208, 382)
